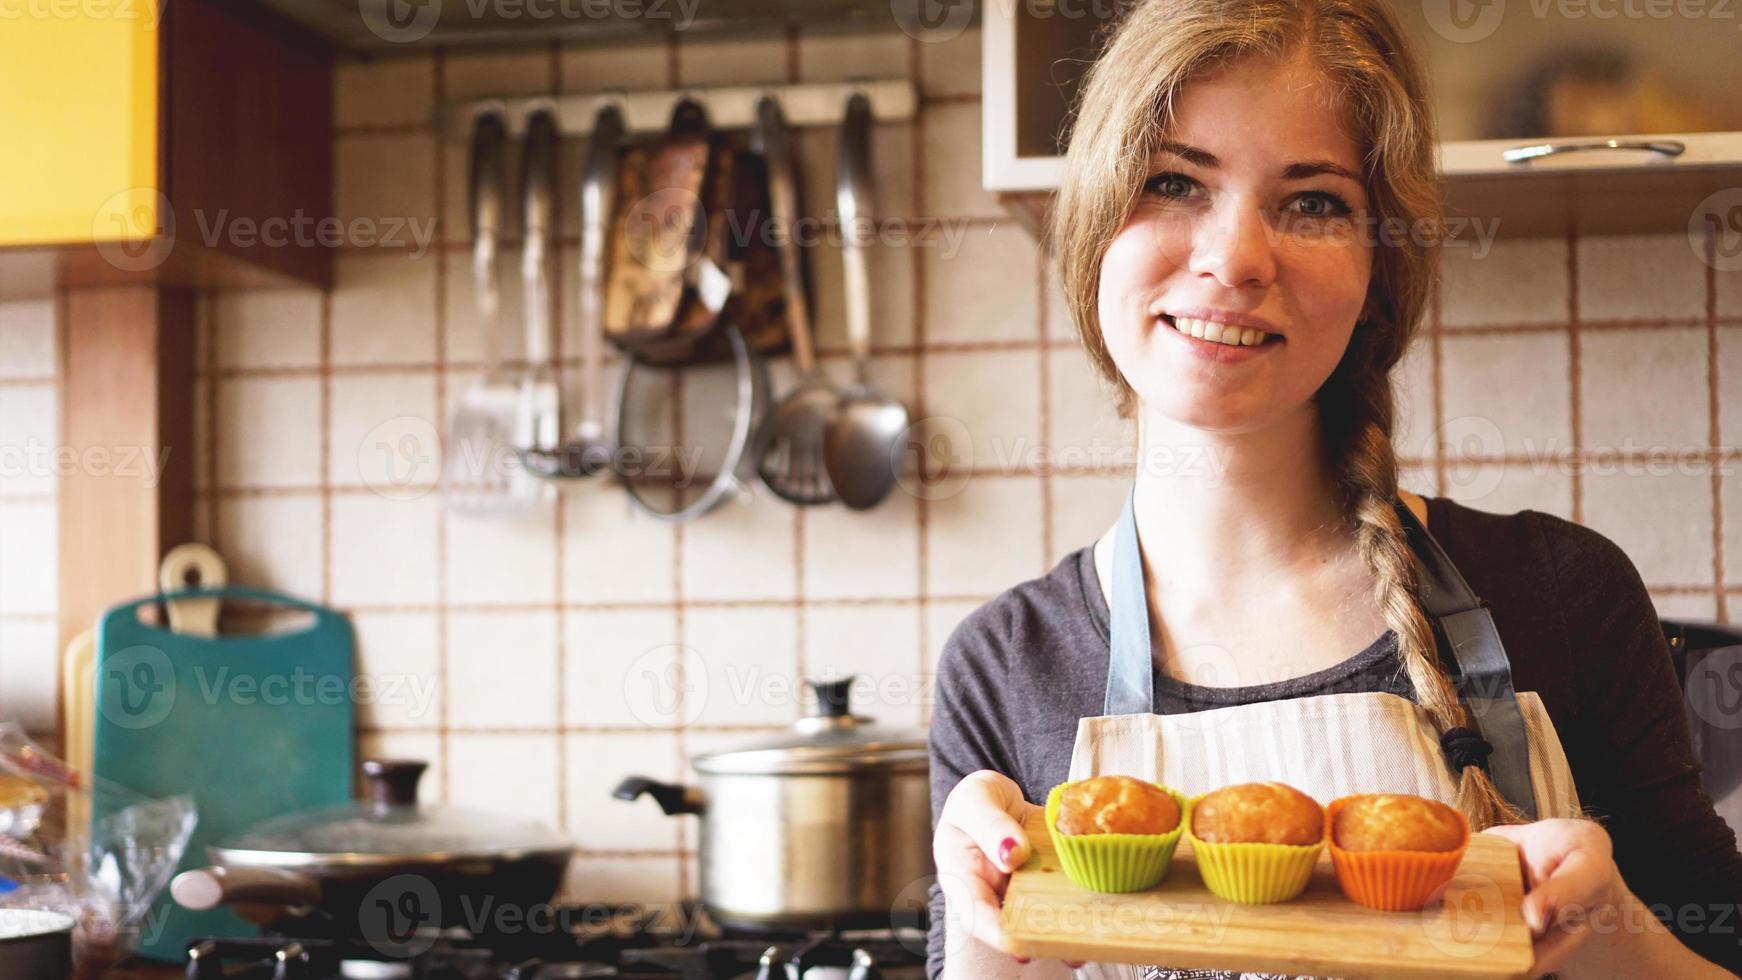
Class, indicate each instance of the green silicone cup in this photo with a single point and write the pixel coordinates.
(1115, 862)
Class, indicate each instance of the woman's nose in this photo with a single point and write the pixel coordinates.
(1233, 245)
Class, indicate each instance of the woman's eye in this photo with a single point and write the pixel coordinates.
(1169, 185)
(1323, 204)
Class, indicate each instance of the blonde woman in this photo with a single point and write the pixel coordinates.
(1246, 236)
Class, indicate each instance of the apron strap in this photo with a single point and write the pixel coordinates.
(1484, 678)
(1484, 673)
(1131, 664)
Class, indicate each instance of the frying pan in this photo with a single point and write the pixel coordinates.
(383, 868)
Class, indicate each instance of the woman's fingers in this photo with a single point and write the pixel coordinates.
(1569, 875)
(988, 807)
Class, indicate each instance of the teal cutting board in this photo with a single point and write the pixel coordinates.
(253, 726)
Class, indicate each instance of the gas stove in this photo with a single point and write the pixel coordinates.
(630, 942)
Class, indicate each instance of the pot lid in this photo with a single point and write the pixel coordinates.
(390, 826)
(833, 740)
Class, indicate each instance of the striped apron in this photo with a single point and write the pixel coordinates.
(1327, 746)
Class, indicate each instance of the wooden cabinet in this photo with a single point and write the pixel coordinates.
(147, 140)
(150, 149)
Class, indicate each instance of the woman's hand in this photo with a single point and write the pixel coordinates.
(1585, 920)
(1568, 865)
(979, 841)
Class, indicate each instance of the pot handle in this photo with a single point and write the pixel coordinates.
(671, 797)
(208, 888)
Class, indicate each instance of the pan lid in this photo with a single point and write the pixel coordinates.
(834, 740)
(390, 826)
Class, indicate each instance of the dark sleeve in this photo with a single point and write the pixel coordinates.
(969, 730)
(1641, 779)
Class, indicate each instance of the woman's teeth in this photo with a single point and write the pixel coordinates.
(1219, 333)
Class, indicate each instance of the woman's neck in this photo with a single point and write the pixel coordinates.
(1234, 514)
(1237, 507)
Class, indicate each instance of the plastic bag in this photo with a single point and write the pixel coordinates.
(105, 875)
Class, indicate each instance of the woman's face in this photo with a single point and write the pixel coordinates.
(1249, 221)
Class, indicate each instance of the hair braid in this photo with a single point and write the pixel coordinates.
(1364, 465)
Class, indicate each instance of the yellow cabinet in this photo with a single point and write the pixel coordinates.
(79, 112)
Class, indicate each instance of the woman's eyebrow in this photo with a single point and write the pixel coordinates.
(1299, 170)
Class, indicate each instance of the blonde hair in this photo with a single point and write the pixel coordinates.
(1127, 105)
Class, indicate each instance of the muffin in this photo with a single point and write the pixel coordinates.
(1258, 813)
(1115, 833)
(1256, 843)
(1116, 805)
(1395, 822)
(1395, 851)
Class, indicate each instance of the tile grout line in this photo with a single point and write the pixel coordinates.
(921, 509)
(559, 515)
(1715, 422)
(438, 80)
(1574, 391)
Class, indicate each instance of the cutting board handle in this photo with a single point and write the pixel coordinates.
(323, 617)
(196, 565)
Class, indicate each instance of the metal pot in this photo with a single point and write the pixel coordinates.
(36, 943)
(824, 827)
(386, 866)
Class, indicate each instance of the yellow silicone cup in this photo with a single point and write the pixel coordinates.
(1254, 873)
(1114, 862)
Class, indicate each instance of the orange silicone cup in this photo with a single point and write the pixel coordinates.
(1392, 881)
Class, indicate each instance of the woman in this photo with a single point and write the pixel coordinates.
(1245, 235)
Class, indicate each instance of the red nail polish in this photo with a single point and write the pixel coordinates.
(1005, 850)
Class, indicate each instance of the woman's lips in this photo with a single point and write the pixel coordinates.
(1215, 351)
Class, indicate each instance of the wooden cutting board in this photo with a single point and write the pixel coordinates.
(1478, 929)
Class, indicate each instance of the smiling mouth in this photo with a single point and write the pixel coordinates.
(1218, 333)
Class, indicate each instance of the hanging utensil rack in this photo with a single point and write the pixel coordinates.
(728, 107)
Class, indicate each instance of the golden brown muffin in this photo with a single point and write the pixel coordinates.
(1116, 805)
(1258, 813)
(1397, 822)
